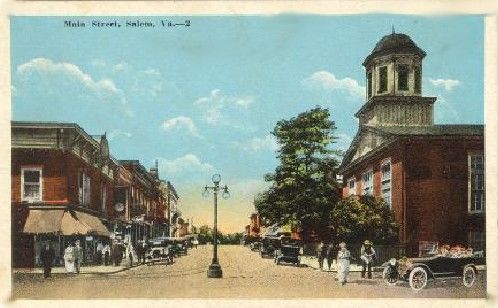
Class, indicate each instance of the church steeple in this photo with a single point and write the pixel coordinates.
(394, 84)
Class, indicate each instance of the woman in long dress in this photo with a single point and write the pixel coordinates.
(69, 259)
(343, 263)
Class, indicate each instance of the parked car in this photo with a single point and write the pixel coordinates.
(268, 246)
(418, 271)
(288, 253)
(255, 246)
(158, 251)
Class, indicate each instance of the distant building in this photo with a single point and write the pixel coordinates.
(432, 176)
(255, 226)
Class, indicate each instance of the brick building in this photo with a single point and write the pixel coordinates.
(432, 176)
(66, 187)
(62, 189)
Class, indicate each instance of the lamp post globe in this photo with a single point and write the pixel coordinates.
(216, 178)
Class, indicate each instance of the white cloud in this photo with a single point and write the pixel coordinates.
(117, 133)
(327, 81)
(213, 105)
(256, 144)
(447, 84)
(185, 164)
(181, 123)
(122, 66)
(59, 74)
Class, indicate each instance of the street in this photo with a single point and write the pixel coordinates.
(245, 275)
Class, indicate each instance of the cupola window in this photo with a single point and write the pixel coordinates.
(369, 82)
(403, 77)
(418, 86)
(383, 79)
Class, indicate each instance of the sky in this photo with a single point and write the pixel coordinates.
(203, 99)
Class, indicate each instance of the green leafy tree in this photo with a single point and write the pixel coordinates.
(356, 219)
(304, 188)
(205, 234)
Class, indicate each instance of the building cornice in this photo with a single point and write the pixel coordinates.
(394, 99)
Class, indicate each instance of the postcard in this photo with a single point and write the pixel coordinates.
(296, 156)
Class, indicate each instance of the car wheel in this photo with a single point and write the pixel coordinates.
(418, 278)
(469, 276)
(386, 275)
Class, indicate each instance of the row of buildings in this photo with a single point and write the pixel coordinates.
(66, 186)
(432, 176)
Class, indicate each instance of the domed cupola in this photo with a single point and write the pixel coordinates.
(394, 84)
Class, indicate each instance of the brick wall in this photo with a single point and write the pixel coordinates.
(435, 190)
(60, 177)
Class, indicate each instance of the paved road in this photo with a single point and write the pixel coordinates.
(246, 275)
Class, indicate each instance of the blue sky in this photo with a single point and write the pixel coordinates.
(203, 99)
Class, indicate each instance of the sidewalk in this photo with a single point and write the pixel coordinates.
(92, 269)
(313, 263)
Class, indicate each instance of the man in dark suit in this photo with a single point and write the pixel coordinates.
(47, 256)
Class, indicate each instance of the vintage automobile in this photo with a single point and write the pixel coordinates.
(268, 246)
(288, 253)
(255, 246)
(418, 271)
(158, 251)
(177, 245)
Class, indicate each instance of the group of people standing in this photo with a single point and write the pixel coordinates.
(343, 257)
(73, 257)
(105, 254)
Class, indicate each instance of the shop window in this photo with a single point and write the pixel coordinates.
(31, 184)
(386, 182)
(383, 79)
(477, 240)
(352, 186)
(403, 77)
(367, 178)
(84, 188)
(477, 200)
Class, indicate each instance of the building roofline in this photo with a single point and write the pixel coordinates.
(343, 168)
(377, 99)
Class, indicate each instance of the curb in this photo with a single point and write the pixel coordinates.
(34, 272)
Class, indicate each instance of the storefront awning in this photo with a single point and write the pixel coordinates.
(43, 221)
(64, 222)
(94, 223)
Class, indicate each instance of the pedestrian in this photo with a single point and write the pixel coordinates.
(343, 263)
(143, 250)
(78, 254)
(367, 255)
(321, 252)
(47, 256)
(107, 254)
(100, 247)
(129, 248)
(69, 259)
(330, 255)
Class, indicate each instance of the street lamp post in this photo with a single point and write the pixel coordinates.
(214, 270)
